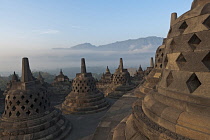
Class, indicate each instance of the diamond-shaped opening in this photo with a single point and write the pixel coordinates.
(181, 60)
(172, 45)
(22, 97)
(207, 22)
(13, 108)
(37, 110)
(193, 83)
(10, 114)
(183, 26)
(18, 102)
(18, 114)
(194, 41)
(28, 112)
(35, 100)
(23, 107)
(14, 97)
(166, 61)
(40, 104)
(27, 101)
(31, 96)
(32, 106)
(169, 79)
(10, 103)
(206, 60)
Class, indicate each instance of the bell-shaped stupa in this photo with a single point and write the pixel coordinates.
(121, 75)
(28, 113)
(84, 97)
(179, 108)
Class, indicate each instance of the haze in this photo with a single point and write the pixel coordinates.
(33, 28)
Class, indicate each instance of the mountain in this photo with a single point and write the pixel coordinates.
(128, 45)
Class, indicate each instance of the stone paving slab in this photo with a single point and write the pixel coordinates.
(84, 126)
(121, 109)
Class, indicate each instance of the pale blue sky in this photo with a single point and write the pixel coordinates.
(62, 23)
(32, 27)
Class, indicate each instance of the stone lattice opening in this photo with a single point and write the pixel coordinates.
(23, 107)
(18, 102)
(27, 101)
(207, 22)
(194, 41)
(181, 60)
(13, 108)
(18, 114)
(14, 97)
(172, 45)
(166, 61)
(206, 60)
(28, 112)
(183, 26)
(169, 79)
(193, 83)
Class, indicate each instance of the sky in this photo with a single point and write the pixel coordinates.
(30, 27)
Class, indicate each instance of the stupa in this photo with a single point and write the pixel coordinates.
(121, 82)
(106, 77)
(28, 114)
(179, 108)
(149, 69)
(121, 75)
(152, 79)
(61, 78)
(61, 84)
(84, 97)
(139, 73)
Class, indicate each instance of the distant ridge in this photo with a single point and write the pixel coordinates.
(127, 45)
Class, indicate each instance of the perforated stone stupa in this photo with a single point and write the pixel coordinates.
(61, 84)
(61, 78)
(139, 73)
(84, 97)
(149, 69)
(28, 114)
(106, 77)
(121, 75)
(179, 109)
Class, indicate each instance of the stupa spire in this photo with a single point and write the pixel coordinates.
(83, 66)
(26, 72)
(151, 62)
(107, 69)
(14, 77)
(121, 64)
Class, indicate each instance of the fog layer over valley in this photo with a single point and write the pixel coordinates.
(133, 52)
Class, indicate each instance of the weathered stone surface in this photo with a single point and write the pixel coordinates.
(121, 82)
(28, 113)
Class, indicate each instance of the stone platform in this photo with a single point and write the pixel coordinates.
(121, 109)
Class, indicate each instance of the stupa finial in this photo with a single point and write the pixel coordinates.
(83, 66)
(26, 72)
